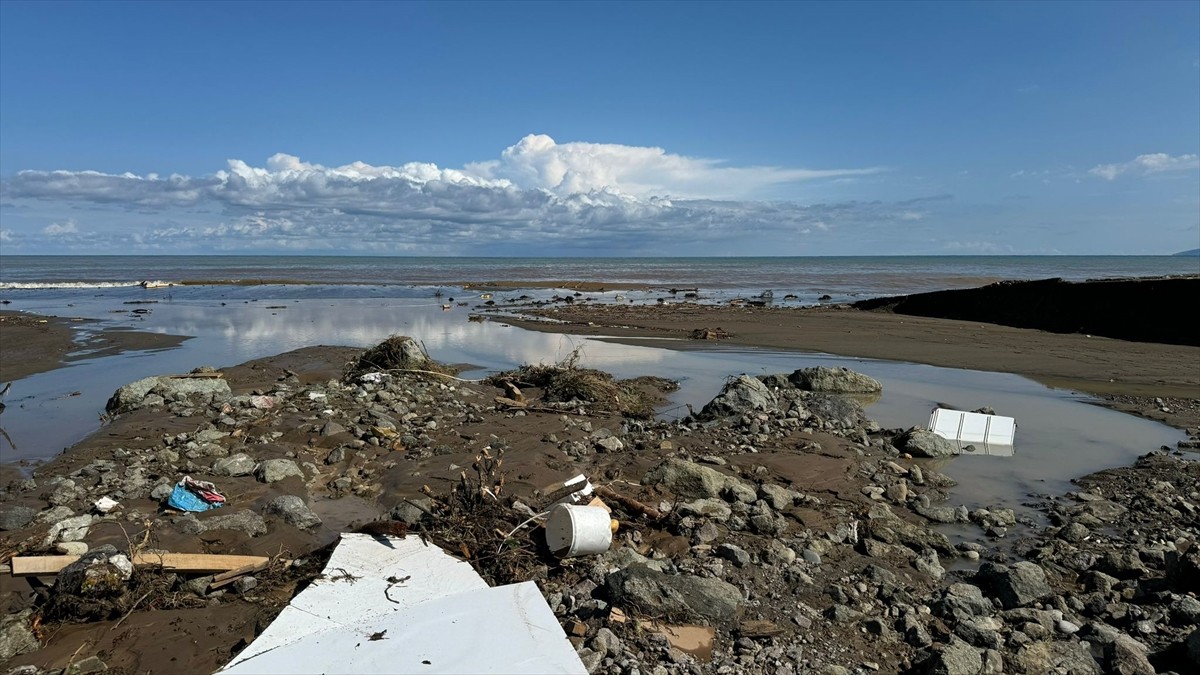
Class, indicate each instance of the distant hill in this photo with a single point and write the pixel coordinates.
(1194, 253)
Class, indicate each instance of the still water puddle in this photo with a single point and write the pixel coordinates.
(1060, 434)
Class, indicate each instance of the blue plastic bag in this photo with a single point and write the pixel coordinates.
(185, 500)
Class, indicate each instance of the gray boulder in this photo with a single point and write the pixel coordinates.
(740, 396)
(294, 511)
(133, 395)
(1066, 656)
(835, 411)
(16, 636)
(274, 470)
(962, 601)
(14, 517)
(834, 381)
(74, 528)
(240, 464)
(242, 521)
(955, 658)
(1127, 656)
(673, 596)
(692, 481)
(1022, 584)
(925, 443)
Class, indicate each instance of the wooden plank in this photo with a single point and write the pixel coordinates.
(225, 578)
(175, 562)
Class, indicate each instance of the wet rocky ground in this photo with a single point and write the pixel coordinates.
(776, 530)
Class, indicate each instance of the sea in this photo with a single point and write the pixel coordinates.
(237, 308)
(807, 278)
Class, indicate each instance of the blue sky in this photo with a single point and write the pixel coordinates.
(584, 129)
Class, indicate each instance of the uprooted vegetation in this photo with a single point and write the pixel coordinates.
(477, 521)
(397, 353)
(566, 382)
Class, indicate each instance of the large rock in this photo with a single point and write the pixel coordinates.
(962, 601)
(74, 528)
(693, 481)
(836, 411)
(740, 396)
(274, 470)
(1057, 657)
(673, 596)
(16, 637)
(133, 395)
(101, 572)
(956, 658)
(14, 517)
(240, 464)
(294, 511)
(886, 526)
(925, 443)
(1127, 656)
(834, 381)
(243, 521)
(1022, 584)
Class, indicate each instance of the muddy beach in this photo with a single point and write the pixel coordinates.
(818, 535)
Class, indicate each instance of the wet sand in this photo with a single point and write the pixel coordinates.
(210, 635)
(31, 344)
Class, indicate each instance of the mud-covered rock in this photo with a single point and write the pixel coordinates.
(274, 470)
(242, 521)
(294, 511)
(691, 480)
(240, 464)
(1022, 584)
(14, 516)
(16, 635)
(1056, 657)
(682, 596)
(925, 443)
(134, 395)
(834, 381)
(955, 658)
(740, 396)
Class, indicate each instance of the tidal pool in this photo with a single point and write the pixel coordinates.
(1061, 434)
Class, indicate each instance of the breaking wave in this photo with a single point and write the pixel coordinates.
(67, 284)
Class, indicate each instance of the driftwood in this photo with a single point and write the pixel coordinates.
(629, 503)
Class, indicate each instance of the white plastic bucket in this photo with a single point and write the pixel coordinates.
(578, 530)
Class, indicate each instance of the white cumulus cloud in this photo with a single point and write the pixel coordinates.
(538, 193)
(1157, 162)
(60, 229)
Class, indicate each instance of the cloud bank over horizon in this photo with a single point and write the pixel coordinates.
(539, 197)
(574, 197)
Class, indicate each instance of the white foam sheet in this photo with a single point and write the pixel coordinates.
(335, 600)
(994, 433)
(508, 629)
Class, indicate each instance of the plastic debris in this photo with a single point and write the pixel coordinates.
(106, 504)
(195, 495)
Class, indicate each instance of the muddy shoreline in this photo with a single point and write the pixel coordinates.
(1128, 376)
(818, 530)
(33, 343)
